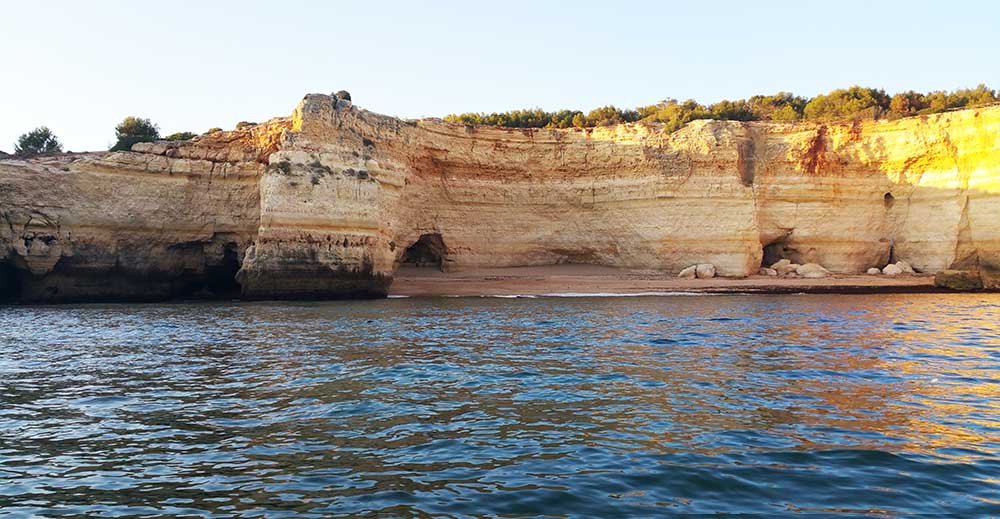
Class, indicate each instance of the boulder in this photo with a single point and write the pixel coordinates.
(905, 267)
(764, 271)
(892, 270)
(785, 267)
(705, 271)
(812, 270)
(964, 280)
(989, 273)
(689, 273)
(874, 271)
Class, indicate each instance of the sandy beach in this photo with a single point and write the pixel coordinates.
(586, 279)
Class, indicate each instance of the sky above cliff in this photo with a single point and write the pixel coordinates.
(80, 67)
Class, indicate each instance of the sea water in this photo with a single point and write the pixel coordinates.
(867, 406)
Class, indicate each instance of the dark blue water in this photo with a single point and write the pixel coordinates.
(553, 407)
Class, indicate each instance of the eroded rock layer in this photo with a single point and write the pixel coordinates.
(328, 202)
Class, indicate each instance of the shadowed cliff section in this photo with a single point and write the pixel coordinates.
(328, 202)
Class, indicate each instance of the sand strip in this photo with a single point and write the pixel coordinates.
(586, 279)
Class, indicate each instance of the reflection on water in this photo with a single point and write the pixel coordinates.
(634, 407)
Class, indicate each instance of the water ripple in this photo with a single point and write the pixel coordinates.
(869, 406)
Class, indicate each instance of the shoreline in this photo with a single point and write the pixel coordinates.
(582, 280)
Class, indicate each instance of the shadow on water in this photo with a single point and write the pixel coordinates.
(778, 405)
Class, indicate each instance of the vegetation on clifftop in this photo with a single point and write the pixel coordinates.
(37, 141)
(848, 103)
(180, 136)
(132, 130)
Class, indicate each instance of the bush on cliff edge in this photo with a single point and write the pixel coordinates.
(180, 136)
(847, 103)
(132, 130)
(37, 141)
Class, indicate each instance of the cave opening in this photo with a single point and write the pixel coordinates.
(10, 282)
(217, 281)
(428, 251)
(221, 279)
(888, 200)
(777, 250)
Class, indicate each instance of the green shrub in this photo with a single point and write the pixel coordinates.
(856, 102)
(132, 130)
(180, 136)
(849, 103)
(37, 141)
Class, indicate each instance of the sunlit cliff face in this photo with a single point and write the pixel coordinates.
(327, 202)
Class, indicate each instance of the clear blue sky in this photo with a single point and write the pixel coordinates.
(80, 67)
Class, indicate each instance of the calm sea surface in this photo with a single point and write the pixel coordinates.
(481, 407)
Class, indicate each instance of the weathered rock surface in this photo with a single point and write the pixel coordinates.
(689, 272)
(328, 202)
(785, 267)
(705, 271)
(892, 270)
(812, 270)
(873, 271)
(963, 280)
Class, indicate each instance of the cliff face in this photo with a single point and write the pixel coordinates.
(328, 202)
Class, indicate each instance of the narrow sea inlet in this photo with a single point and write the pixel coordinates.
(781, 405)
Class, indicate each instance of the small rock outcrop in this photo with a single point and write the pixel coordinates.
(892, 270)
(705, 270)
(812, 270)
(785, 267)
(689, 272)
(962, 280)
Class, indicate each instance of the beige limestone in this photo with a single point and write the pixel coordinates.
(326, 202)
(705, 271)
(812, 270)
(892, 270)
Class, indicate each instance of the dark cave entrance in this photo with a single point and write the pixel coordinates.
(888, 200)
(221, 279)
(428, 251)
(217, 281)
(10, 282)
(777, 250)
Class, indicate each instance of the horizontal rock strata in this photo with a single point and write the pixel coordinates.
(328, 202)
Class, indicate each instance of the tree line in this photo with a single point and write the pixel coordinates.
(847, 103)
(131, 130)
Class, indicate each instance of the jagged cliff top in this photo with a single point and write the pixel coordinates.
(255, 142)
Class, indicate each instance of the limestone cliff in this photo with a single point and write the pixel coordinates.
(328, 202)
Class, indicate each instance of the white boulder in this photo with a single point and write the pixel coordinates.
(874, 271)
(705, 270)
(812, 270)
(905, 267)
(689, 273)
(892, 270)
(764, 271)
(780, 263)
(785, 267)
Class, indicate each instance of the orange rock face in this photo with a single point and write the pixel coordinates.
(328, 202)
